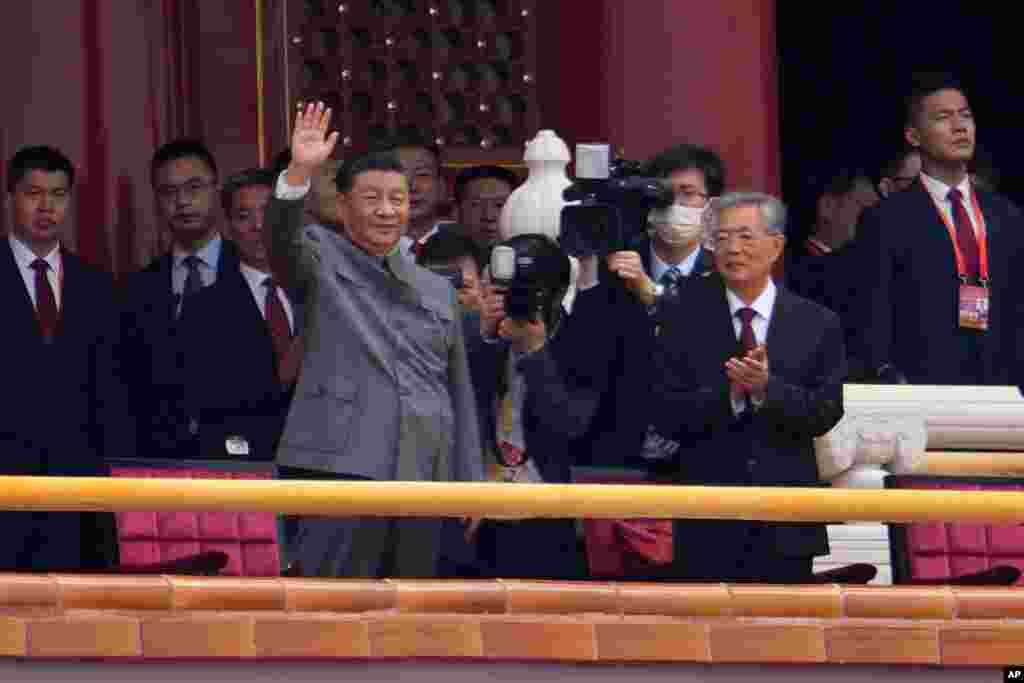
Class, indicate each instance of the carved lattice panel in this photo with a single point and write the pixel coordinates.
(462, 72)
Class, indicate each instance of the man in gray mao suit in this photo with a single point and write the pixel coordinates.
(384, 391)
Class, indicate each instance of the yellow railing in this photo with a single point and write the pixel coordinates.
(434, 499)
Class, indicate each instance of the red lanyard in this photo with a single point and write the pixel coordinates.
(981, 234)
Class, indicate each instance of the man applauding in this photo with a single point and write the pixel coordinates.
(745, 395)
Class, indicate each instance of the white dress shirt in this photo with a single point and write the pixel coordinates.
(208, 257)
(940, 193)
(24, 258)
(256, 279)
(685, 267)
(763, 306)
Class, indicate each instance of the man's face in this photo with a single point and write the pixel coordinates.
(185, 189)
(480, 208)
(744, 251)
(375, 211)
(905, 176)
(322, 202)
(689, 187)
(245, 224)
(847, 208)
(425, 190)
(944, 128)
(40, 203)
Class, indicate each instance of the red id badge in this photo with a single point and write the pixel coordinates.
(973, 307)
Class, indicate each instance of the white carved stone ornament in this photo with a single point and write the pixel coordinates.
(536, 205)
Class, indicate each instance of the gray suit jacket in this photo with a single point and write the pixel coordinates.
(385, 390)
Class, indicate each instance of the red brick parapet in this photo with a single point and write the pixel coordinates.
(66, 616)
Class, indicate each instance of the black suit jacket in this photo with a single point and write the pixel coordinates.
(151, 358)
(231, 370)
(620, 340)
(770, 447)
(561, 399)
(61, 413)
(909, 293)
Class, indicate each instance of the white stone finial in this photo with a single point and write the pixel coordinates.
(536, 205)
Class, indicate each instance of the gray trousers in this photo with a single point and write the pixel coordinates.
(359, 547)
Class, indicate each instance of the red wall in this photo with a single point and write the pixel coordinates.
(645, 75)
(92, 77)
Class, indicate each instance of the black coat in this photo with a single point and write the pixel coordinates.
(231, 370)
(150, 355)
(771, 447)
(908, 293)
(619, 342)
(62, 413)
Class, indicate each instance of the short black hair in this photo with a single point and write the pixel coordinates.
(843, 181)
(374, 161)
(183, 148)
(38, 158)
(891, 166)
(281, 160)
(684, 157)
(447, 245)
(924, 84)
(263, 177)
(408, 137)
(468, 175)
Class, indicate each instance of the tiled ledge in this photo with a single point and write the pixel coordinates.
(63, 616)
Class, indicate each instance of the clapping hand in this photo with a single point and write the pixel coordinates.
(311, 145)
(750, 374)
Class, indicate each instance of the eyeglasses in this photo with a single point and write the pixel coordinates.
(189, 190)
(691, 196)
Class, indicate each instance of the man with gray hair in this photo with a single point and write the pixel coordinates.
(745, 393)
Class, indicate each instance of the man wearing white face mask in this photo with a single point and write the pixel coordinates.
(657, 263)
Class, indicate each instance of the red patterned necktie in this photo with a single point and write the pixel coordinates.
(46, 303)
(965, 238)
(747, 339)
(280, 331)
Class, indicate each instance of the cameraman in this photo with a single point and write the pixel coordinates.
(622, 291)
(533, 397)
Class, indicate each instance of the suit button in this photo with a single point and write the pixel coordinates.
(751, 463)
(403, 390)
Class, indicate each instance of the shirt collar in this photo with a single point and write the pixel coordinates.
(209, 254)
(762, 305)
(659, 267)
(24, 256)
(254, 277)
(940, 190)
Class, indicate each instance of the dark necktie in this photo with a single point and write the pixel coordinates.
(46, 304)
(747, 339)
(671, 279)
(193, 280)
(280, 333)
(965, 235)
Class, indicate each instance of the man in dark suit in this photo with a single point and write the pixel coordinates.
(60, 324)
(666, 257)
(935, 255)
(184, 178)
(745, 395)
(238, 338)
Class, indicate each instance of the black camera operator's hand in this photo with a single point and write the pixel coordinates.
(492, 309)
(630, 267)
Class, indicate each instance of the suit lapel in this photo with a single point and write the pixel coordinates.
(778, 341)
(16, 293)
